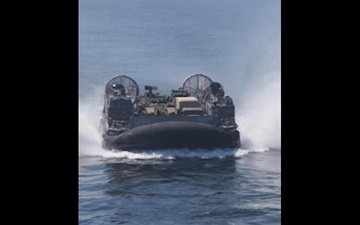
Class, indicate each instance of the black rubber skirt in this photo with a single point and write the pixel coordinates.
(179, 134)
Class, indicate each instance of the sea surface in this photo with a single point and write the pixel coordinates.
(161, 43)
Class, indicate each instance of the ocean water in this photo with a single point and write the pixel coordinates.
(236, 43)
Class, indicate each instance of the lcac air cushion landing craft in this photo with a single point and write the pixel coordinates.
(197, 115)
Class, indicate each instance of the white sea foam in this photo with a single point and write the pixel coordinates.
(259, 116)
(169, 154)
(89, 126)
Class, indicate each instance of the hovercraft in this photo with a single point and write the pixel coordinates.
(197, 115)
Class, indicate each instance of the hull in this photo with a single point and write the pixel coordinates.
(170, 134)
